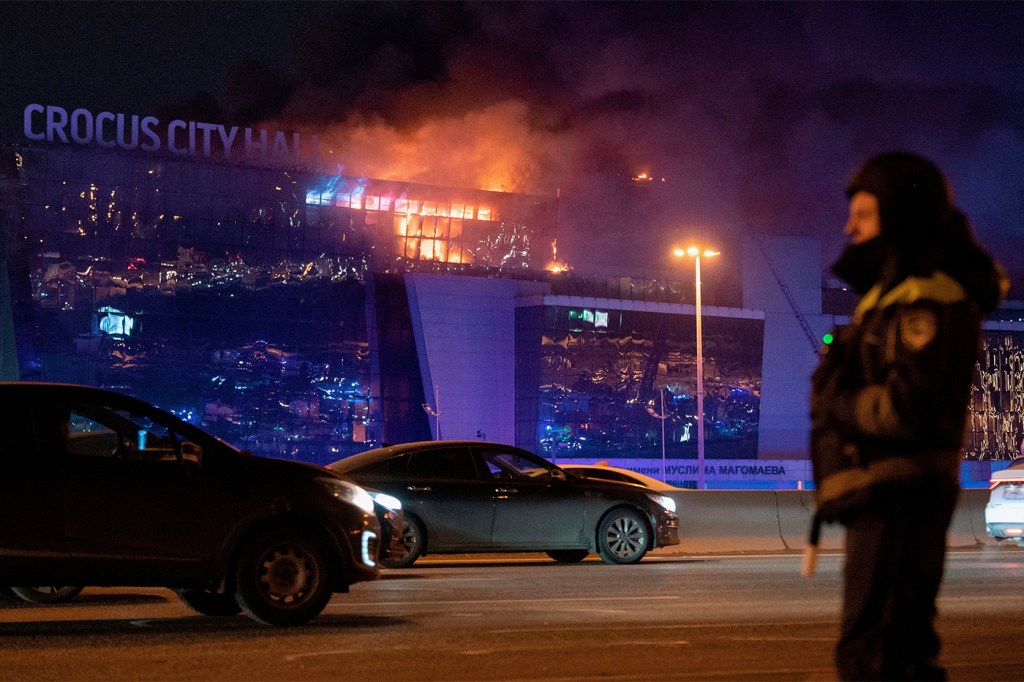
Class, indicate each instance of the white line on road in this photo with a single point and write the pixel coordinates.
(561, 647)
(607, 627)
(312, 654)
(546, 600)
(781, 639)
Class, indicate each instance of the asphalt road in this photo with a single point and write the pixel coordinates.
(520, 618)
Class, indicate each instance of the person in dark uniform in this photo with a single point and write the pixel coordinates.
(889, 409)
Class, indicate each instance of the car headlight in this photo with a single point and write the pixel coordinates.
(349, 492)
(665, 501)
(387, 501)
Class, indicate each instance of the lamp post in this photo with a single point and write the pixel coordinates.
(695, 253)
(435, 412)
(661, 417)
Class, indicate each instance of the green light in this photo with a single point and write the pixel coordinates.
(828, 338)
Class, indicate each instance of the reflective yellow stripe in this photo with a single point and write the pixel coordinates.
(939, 287)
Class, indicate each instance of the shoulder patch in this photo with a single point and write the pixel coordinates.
(918, 328)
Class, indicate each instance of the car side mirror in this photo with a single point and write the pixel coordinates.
(558, 475)
(123, 448)
(191, 454)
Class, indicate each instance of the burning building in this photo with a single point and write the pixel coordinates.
(236, 294)
(303, 313)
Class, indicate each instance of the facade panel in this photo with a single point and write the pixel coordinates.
(603, 372)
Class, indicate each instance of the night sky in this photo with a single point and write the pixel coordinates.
(755, 114)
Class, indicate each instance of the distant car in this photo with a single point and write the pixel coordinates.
(103, 489)
(609, 473)
(1004, 513)
(473, 496)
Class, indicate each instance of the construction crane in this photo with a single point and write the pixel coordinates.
(811, 339)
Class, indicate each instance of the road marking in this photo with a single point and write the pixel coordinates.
(440, 578)
(782, 639)
(561, 647)
(342, 604)
(671, 626)
(604, 611)
(337, 652)
(1002, 565)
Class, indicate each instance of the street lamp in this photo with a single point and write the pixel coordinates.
(695, 253)
(435, 412)
(662, 417)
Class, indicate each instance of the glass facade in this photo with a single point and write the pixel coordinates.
(264, 304)
(996, 426)
(604, 378)
(202, 288)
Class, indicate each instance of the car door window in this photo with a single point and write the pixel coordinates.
(90, 438)
(454, 463)
(385, 467)
(93, 431)
(510, 465)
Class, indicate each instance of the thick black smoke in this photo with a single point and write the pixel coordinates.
(753, 113)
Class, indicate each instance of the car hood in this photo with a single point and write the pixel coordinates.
(624, 489)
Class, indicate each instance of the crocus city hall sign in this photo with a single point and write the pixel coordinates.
(181, 138)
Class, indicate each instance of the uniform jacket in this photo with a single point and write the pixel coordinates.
(890, 396)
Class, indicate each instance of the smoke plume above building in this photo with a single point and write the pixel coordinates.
(650, 120)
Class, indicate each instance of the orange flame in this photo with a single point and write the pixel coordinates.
(494, 148)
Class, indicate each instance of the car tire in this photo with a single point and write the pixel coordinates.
(283, 577)
(8, 597)
(414, 540)
(48, 595)
(622, 537)
(210, 603)
(568, 556)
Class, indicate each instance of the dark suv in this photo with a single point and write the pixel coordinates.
(102, 489)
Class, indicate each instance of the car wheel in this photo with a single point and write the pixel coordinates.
(282, 577)
(568, 556)
(7, 597)
(210, 603)
(622, 537)
(48, 595)
(414, 541)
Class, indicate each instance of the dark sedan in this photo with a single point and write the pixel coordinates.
(99, 488)
(471, 496)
